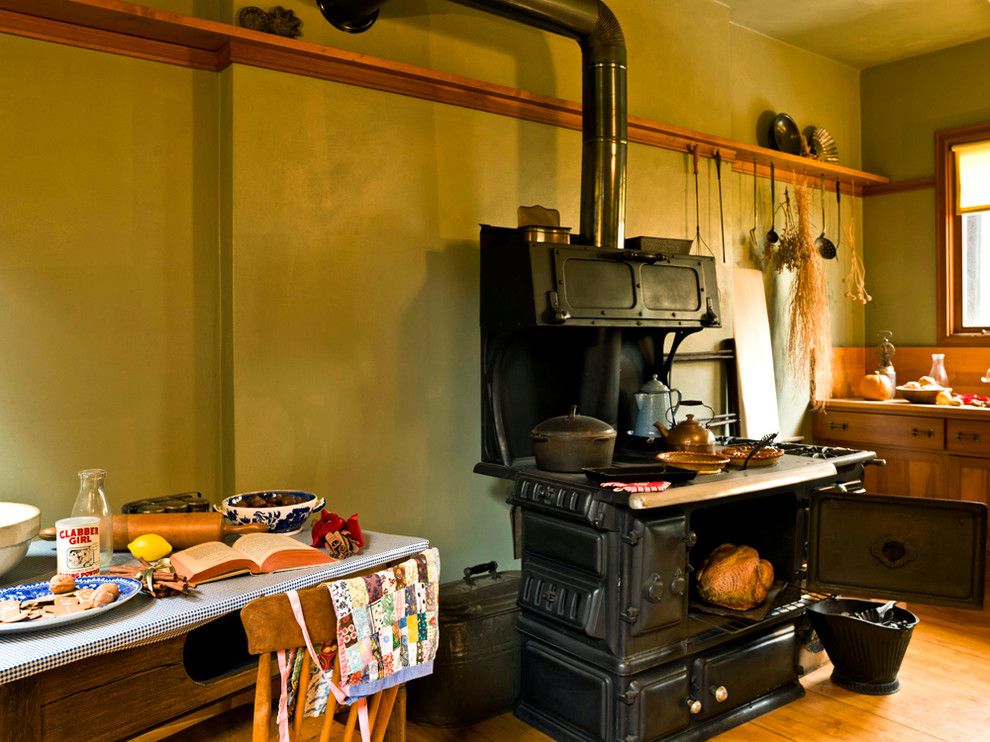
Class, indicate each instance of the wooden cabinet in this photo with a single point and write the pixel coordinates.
(930, 451)
(914, 474)
(969, 478)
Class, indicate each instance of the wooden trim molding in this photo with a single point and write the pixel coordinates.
(900, 186)
(147, 33)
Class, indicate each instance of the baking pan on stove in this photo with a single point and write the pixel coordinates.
(638, 473)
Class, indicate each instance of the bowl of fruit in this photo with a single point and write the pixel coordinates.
(925, 391)
(283, 511)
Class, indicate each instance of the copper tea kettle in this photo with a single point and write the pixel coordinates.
(688, 435)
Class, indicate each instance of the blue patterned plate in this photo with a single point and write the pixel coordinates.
(127, 586)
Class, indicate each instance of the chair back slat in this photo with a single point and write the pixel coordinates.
(270, 624)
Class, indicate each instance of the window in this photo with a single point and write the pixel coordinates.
(962, 174)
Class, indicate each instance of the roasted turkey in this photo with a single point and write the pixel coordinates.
(735, 577)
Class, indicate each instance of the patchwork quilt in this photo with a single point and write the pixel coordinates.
(387, 631)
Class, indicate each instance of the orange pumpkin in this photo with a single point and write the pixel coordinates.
(876, 386)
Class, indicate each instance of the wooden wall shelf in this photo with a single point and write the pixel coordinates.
(147, 33)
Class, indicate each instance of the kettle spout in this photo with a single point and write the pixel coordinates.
(664, 432)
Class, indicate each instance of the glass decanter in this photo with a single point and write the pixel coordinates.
(938, 369)
(92, 501)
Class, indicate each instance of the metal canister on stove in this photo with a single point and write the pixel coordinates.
(77, 545)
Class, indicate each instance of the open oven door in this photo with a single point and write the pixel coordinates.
(901, 548)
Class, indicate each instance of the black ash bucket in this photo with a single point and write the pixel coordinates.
(866, 654)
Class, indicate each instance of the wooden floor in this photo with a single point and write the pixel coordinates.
(945, 695)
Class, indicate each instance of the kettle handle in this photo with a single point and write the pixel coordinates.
(698, 403)
(672, 411)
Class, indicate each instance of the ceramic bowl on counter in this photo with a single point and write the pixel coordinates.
(922, 395)
(283, 511)
(19, 523)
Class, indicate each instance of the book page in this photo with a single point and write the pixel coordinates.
(198, 558)
(212, 560)
(275, 551)
(259, 546)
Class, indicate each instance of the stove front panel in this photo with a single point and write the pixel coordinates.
(572, 700)
(618, 589)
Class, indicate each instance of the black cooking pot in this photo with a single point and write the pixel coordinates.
(572, 442)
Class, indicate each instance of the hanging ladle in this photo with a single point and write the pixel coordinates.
(823, 244)
(838, 216)
(772, 237)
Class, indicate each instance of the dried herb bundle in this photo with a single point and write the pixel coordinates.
(855, 280)
(810, 340)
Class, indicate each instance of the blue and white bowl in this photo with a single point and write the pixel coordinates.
(243, 509)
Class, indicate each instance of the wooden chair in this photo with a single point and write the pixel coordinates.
(271, 626)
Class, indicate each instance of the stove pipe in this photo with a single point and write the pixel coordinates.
(603, 50)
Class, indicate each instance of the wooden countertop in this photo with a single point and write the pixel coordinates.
(903, 407)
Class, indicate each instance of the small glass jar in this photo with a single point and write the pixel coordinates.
(938, 369)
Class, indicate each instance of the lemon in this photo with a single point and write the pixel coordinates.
(150, 546)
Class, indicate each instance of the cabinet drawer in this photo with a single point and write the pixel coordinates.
(888, 430)
(967, 436)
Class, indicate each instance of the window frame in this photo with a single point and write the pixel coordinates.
(948, 240)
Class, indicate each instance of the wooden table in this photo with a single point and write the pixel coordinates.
(157, 666)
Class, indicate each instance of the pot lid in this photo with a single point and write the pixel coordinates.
(573, 425)
(654, 386)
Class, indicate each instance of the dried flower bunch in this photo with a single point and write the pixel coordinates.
(808, 311)
(810, 340)
(855, 280)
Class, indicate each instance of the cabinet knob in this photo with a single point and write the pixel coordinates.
(720, 693)
(927, 432)
(694, 705)
(960, 436)
(838, 426)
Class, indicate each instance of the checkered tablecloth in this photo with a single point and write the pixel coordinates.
(144, 620)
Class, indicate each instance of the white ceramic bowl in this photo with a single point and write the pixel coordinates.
(288, 519)
(19, 523)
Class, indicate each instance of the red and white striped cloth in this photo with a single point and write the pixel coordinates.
(635, 487)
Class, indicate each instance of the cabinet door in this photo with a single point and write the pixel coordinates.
(908, 473)
(969, 479)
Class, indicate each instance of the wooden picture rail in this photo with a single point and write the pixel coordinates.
(147, 33)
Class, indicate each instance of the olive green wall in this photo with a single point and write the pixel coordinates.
(904, 104)
(335, 269)
(108, 276)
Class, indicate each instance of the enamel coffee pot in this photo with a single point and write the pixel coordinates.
(654, 404)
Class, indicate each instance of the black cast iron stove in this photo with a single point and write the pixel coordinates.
(617, 645)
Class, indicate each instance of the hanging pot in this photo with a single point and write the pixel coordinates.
(571, 442)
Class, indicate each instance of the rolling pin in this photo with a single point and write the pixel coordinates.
(181, 530)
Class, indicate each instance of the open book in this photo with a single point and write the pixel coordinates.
(256, 553)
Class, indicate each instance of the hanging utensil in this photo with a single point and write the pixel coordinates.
(823, 244)
(697, 205)
(838, 216)
(772, 237)
(721, 216)
(752, 232)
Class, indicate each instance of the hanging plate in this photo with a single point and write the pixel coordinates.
(905, 548)
(785, 135)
